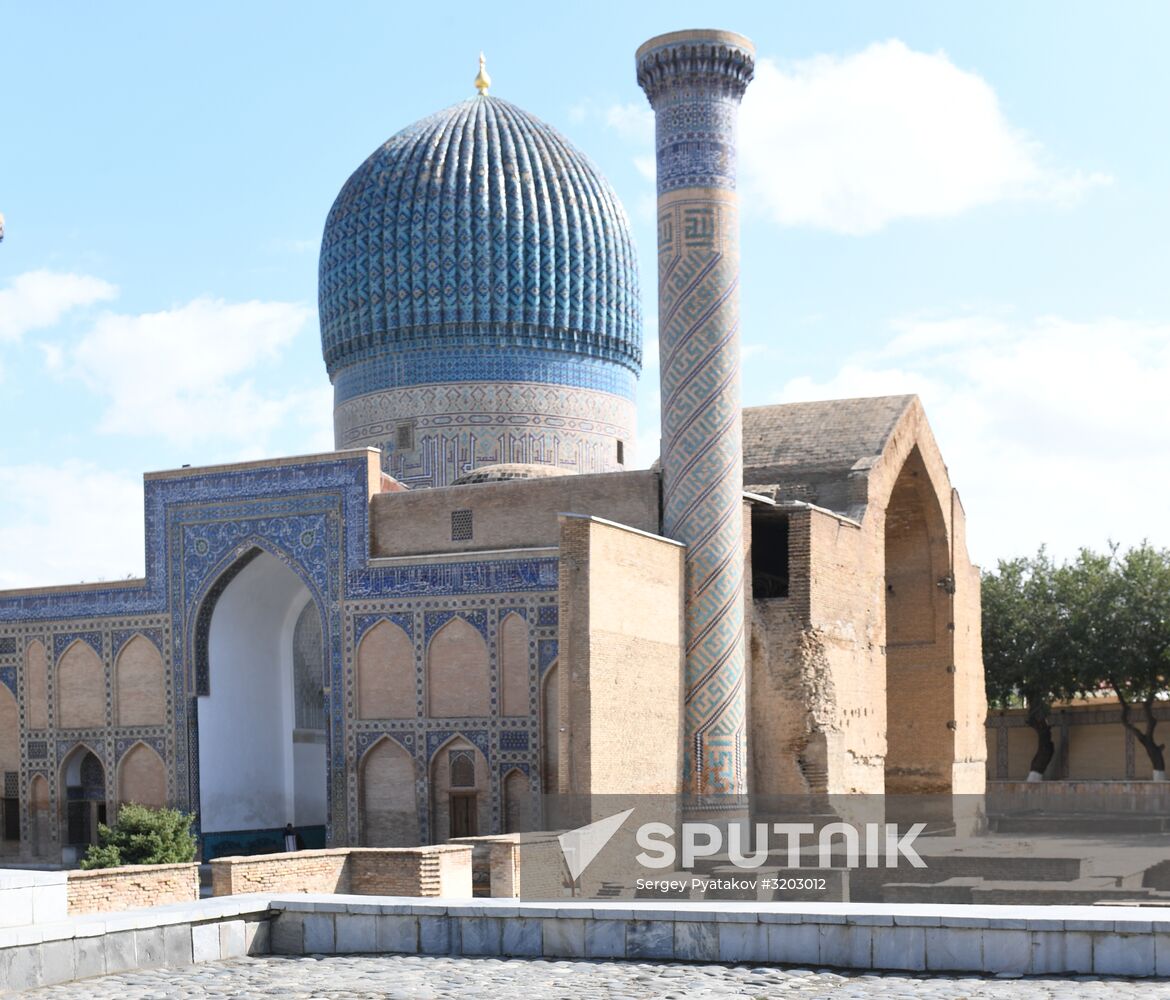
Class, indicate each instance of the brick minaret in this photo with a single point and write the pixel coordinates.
(694, 81)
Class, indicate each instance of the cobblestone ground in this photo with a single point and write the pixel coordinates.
(436, 978)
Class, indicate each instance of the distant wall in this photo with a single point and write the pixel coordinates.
(1091, 744)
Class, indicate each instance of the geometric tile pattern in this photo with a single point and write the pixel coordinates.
(478, 226)
(694, 86)
(477, 252)
(460, 426)
(203, 524)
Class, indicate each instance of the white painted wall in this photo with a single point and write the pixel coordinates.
(247, 760)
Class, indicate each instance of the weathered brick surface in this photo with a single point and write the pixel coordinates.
(620, 702)
(109, 890)
(440, 870)
(516, 514)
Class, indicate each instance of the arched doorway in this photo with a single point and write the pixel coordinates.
(84, 780)
(920, 698)
(460, 792)
(262, 738)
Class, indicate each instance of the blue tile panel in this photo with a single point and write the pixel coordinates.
(380, 367)
(313, 516)
(694, 85)
(482, 227)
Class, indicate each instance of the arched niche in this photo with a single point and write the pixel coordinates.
(385, 674)
(83, 782)
(550, 729)
(458, 681)
(460, 792)
(9, 764)
(920, 696)
(39, 819)
(519, 812)
(513, 660)
(389, 809)
(81, 688)
(142, 777)
(140, 684)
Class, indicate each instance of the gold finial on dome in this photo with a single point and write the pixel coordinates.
(482, 80)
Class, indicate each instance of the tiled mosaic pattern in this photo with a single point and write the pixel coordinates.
(478, 226)
(459, 427)
(694, 87)
(313, 517)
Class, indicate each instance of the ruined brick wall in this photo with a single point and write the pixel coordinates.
(868, 676)
(111, 890)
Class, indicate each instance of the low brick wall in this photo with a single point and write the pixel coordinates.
(131, 887)
(296, 871)
(520, 865)
(439, 870)
(1120, 798)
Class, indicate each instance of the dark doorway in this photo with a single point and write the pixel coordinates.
(464, 815)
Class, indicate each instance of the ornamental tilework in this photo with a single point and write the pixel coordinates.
(547, 653)
(694, 85)
(421, 244)
(476, 737)
(64, 640)
(435, 620)
(122, 636)
(455, 428)
(8, 678)
(363, 623)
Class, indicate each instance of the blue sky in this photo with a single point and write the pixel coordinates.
(968, 201)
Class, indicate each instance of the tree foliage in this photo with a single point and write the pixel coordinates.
(1099, 624)
(143, 836)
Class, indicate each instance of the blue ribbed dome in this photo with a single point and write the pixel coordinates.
(478, 227)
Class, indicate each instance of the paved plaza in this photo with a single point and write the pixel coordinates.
(412, 977)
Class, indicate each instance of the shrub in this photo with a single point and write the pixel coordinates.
(143, 836)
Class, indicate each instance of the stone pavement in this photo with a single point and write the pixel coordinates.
(414, 977)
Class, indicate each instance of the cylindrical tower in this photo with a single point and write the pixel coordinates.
(695, 81)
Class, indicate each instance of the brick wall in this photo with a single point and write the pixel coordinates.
(621, 644)
(517, 514)
(300, 871)
(440, 870)
(109, 890)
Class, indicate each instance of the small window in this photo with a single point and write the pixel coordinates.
(11, 784)
(462, 769)
(461, 526)
(404, 437)
(621, 453)
(769, 554)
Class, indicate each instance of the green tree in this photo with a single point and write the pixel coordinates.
(1027, 650)
(143, 836)
(1121, 627)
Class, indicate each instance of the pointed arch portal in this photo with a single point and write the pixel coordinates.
(262, 740)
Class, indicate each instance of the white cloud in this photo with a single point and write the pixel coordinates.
(187, 374)
(62, 523)
(1054, 430)
(37, 299)
(853, 143)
